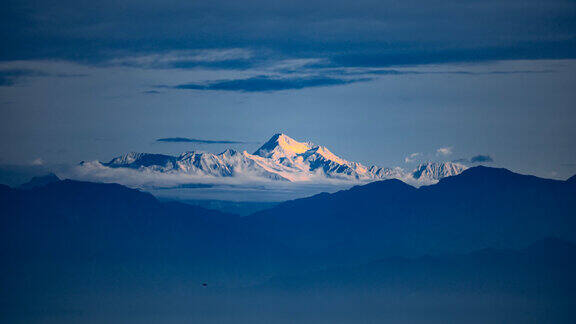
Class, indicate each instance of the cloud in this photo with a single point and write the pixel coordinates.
(268, 84)
(481, 158)
(37, 161)
(11, 77)
(244, 186)
(418, 56)
(412, 157)
(360, 33)
(444, 151)
(385, 72)
(224, 58)
(196, 140)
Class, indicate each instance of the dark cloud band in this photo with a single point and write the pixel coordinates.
(268, 84)
(196, 140)
(481, 159)
(361, 33)
(11, 77)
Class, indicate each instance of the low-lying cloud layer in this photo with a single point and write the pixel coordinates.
(244, 187)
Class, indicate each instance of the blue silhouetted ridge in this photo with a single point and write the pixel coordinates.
(40, 181)
(389, 217)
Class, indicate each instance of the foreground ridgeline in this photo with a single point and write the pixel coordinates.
(485, 246)
(281, 158)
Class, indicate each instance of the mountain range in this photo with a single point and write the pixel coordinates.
(281, 158)
(486, 245)
(480, 207)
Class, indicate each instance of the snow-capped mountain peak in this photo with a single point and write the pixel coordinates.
(137, 160)
(281, 145)
(432, 171)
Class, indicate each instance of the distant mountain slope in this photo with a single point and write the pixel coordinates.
(280, 158)
(87, 252)
(71, 223)
(40, 181)
(529, 285)
(482, 206)
(550, 260)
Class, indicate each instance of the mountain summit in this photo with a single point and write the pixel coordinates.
(280, 158)
(281, 145)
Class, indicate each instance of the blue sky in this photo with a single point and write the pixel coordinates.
(375, 81)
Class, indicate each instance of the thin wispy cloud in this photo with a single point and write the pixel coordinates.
(37, 161)
(11, 77)
(445, 151)
(481, 158)
(151, 92)
(268, 84)
(229, 59)
(196, 140)
(392, 72)
(412, 157)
